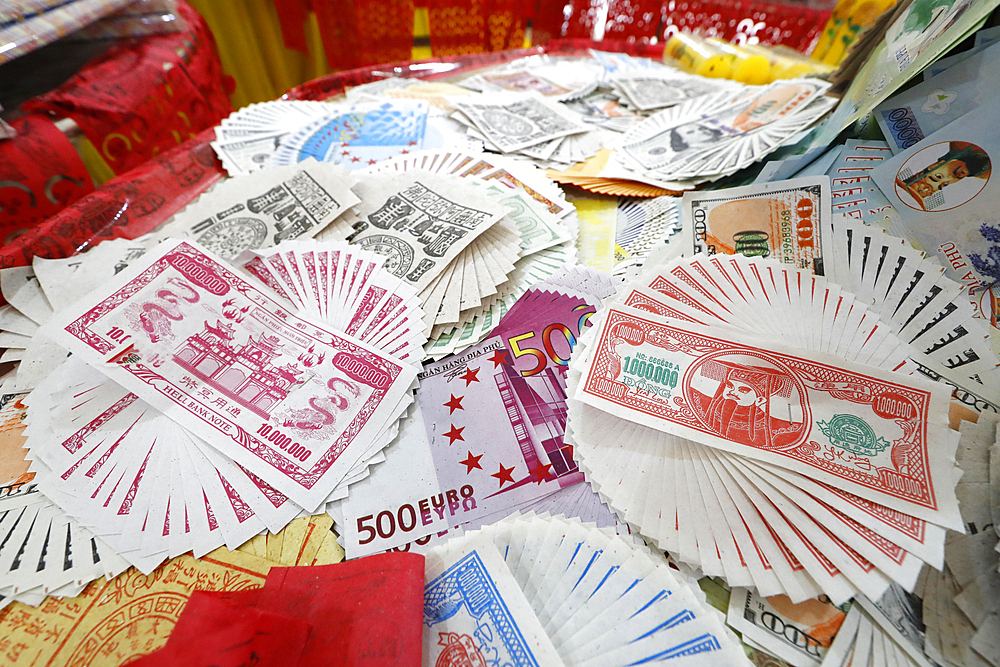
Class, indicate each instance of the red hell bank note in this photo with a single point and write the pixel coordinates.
(880, 435)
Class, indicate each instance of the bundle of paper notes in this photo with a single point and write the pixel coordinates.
(635, 365)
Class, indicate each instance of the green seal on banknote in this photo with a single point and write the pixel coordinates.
(853, 433)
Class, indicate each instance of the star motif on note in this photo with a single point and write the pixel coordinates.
(346, 153)
(470, 376)
(454, 434)
(499, 357)
(504, 475)
(372, 162)
(540, 473)
(454, 404)
(355, 159)
(471, 462)
(404, 152)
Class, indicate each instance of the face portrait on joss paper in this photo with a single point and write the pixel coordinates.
(943, 176)
(749, 399)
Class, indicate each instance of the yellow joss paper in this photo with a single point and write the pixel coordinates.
(748, 67)
(863, 13)
(115, 621)
(587, 176)
(596, 242)
(831, 28)
(697, 56)
(316, 532)
(291, 543)
(786, 63)
(329, 551)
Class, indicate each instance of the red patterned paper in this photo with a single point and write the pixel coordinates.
(747, 21)
(40, 175)
(146, 96)
(358, 33)
(626, 19)
(473, 26)
(127, 206)
(641, 20)
(292, 17)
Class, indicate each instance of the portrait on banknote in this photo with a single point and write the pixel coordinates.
(943, 176)
(750, 399)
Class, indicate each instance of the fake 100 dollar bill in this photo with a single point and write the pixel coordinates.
(788, 220)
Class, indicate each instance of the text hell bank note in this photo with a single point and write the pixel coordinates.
(289, 399)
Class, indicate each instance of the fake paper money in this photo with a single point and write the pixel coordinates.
(942, 190)
(474, 609)
(799, 634)
(924, 109)
(922, 32)
(787, 220)
(514, 122)
(217, 354)
(265, 208)
(785, 401)
(487, 434)
(421, 222)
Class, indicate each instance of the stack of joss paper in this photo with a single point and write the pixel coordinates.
(556, 591)
(472, 294)
(773, 399)
(202, 406)
(74, 628)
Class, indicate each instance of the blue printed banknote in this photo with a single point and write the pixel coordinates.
(474, 613)
(359, 135)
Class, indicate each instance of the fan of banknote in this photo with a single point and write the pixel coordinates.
(557, 79)
(817, 633)
(550, 591)
(647, 89)
(545, 222)
(913, 294)
(486, 433)
(42, 550)
(346, 287)
(452, 239)
(714, 135)
(351, 134)
(201, 407)
(528, 124)
(882, 633)
(641, 226)
(774, 399)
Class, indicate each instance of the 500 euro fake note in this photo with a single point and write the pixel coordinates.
(879, 435)
(291, 400)
(485, 436)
